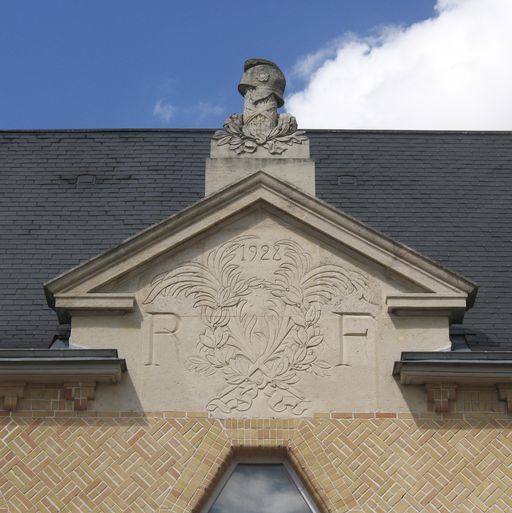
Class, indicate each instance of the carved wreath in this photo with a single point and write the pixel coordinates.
(259, 355)
(246, 138)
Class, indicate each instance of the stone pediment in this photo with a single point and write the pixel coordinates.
(260, 299)
(79, 286)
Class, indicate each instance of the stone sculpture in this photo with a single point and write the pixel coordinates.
(260, 354)
(262, 86)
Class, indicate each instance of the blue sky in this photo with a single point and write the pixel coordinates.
(94, 64)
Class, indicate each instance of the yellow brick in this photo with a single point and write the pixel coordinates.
(164, 461)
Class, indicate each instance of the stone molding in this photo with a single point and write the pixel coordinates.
(453, 306)
(67, 304)
(95, 302)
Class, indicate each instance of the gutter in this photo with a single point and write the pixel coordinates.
(422, 367)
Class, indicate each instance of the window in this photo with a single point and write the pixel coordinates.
(267, 487)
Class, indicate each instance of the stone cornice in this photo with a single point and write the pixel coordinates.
(453, 306)
(442, 373)
(66, 304)
(78, 370)
(262, 190)
(475, 368)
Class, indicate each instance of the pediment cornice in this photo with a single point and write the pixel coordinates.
(78, 287)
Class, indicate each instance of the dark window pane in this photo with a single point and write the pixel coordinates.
(255, 488)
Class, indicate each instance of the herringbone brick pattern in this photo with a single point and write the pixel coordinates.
(169, 464)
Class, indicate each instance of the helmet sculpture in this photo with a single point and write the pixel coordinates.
(265, 77)
(260, 127)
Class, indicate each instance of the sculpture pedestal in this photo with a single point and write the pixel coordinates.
(220, 173)
(293, 166)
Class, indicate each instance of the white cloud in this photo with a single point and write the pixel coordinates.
(163, 111)
(451, 71)
(312, 61)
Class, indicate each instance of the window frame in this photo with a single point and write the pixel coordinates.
(297, 481)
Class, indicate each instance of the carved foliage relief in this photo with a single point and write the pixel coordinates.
(245, 138)
(261, 333)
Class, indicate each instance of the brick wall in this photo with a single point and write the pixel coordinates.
(170, 461)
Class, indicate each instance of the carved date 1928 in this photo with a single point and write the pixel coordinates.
(250, 252)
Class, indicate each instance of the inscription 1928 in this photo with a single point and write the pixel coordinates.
(251, 252)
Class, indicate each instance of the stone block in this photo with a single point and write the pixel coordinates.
(221, 172)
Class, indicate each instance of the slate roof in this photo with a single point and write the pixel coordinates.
(66, 195)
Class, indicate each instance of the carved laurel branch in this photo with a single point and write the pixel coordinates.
(243, 140)
(259, 354)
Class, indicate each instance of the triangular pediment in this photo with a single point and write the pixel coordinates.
(82, 287)
(259, 298)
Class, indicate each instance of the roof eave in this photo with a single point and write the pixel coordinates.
(60, 366)
(462, 368)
